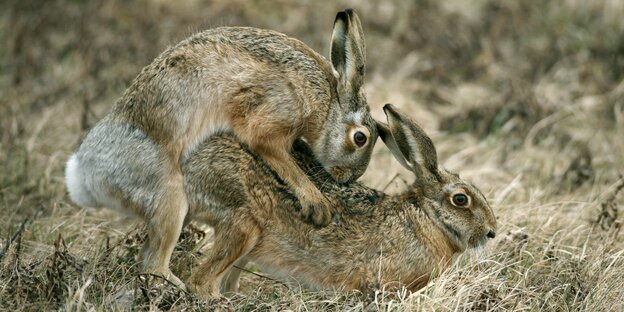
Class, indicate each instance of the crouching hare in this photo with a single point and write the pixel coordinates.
(373, 236)
(266, 88)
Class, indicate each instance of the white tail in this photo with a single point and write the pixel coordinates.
(74, 179)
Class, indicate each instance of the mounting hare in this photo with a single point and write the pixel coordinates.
(267, 88)
(401, 238)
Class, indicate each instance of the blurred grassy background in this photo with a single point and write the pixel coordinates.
(524, 98)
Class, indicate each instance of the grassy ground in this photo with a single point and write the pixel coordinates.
(524, 98)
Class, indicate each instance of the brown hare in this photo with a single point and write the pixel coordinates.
(373, 238)
(266, 88)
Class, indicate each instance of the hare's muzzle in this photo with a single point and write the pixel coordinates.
(340, 174)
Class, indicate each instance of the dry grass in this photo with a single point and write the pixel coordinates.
(524, 98)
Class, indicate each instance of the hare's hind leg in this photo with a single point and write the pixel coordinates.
(121, 167)
(163, 229)
(233, 241)
(230, 281)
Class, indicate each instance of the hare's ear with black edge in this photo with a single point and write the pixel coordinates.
(386, 137)
(412, 142)
(348, 50)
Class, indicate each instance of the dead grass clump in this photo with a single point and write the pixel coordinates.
(543, 275)
(609, 211)
(153, 292)
(47, 280)
(580, 170)
(62, 269)
(107, 276)
(487, 299)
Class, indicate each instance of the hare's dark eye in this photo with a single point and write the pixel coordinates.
(460, 200)
(359, 138)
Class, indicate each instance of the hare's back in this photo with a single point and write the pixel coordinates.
(272, 48)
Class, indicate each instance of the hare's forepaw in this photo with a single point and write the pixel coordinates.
(316, 208)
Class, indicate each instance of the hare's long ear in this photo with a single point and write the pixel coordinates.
(411, 142)
(388, 139)
(348, 50)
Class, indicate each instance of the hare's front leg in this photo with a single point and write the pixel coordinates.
(233, 241)
(270, 132)
(314, 205)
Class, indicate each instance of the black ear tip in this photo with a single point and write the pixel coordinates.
(342, 16)
(392, 112)
(349, 11)
(389, 108)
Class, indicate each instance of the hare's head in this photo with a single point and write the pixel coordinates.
(350, 132)
(457, 207)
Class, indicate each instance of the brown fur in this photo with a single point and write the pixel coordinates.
(266, 88)
(374, 239)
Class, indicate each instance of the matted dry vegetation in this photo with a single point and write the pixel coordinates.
(524, 98)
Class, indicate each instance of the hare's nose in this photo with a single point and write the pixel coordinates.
(491, 234)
